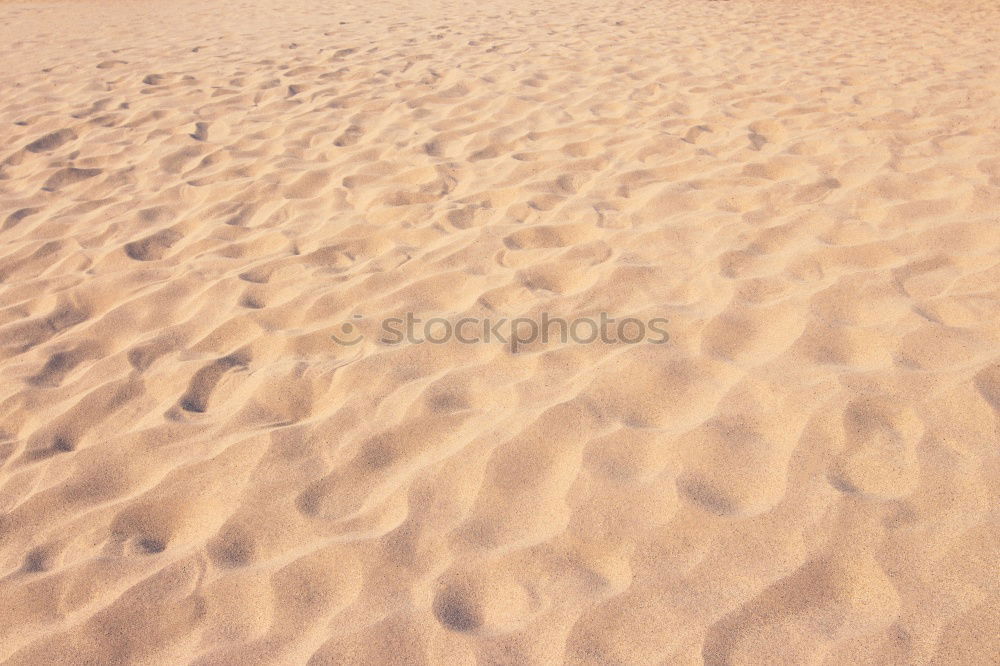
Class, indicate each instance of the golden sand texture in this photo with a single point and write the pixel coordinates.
(196, 196)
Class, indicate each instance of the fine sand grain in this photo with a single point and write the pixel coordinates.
(195, 197)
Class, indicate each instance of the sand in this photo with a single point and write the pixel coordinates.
(196, 197)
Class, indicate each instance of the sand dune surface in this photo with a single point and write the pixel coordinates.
(200, 200)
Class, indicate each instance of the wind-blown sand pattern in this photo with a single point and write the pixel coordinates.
(195, 196)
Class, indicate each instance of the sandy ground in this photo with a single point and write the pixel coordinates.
(195, 197)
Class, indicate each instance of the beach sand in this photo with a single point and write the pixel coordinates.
(199, 199)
